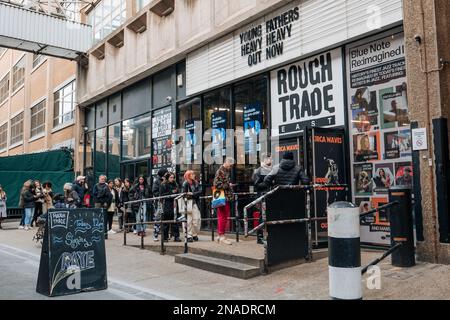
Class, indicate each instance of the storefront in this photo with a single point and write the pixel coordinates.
(345, 76)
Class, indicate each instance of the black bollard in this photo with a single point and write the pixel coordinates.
(401, 220)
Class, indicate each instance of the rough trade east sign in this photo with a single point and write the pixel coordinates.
(308, 93)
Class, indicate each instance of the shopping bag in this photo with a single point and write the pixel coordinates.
(185, 205)
(218, 199)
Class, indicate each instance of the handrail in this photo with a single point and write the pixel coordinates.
(154, 199)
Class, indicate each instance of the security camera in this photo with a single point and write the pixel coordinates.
(418, 38)
(169, 99)
(85, 129)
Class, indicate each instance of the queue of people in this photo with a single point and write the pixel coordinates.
(113, 196)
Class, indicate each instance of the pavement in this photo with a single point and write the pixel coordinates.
(135, 274)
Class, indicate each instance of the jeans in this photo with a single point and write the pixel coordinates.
(29, 212)
(141, 216)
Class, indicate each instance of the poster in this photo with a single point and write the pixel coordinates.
(252, 127)
(162, 139)
(383, 178)
(308, 93)
(219, 133)
(366, 147)
(329, 169)
(191, 141)
(380, 131)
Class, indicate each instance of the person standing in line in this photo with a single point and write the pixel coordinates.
(287, 173)
(261, 188)
(112, 206)
(156, 204)
(193, 190)
(102, 199)
(222, 181)
(71, 199)
(29, 199)
(169, 187)
(26, 186)
(140, 191)
(79, 187)
(39, 202)
(48, 197)
(118, 186)
(124, 198)
(2, 205)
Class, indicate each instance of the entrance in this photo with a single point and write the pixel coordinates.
(132, 170)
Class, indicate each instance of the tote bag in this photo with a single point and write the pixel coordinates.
(218, 199)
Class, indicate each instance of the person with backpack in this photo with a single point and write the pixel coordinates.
(287, 173)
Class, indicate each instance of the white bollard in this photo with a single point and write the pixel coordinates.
(344, 252)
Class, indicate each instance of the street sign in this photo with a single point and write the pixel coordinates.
(419, 138)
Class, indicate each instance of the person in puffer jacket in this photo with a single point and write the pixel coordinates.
(287, 173)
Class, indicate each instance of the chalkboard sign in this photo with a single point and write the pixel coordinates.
(73, 258)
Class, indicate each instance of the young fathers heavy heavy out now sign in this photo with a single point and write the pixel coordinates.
(308, 93)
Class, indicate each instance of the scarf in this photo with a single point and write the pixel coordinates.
(265, 169)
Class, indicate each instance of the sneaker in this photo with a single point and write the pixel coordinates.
(111, 232)
(21, 227)
(195, 238)
(190, 240)
(155, 238)
(135, 232)
(224, 240)
(27, 228)
(177, 240)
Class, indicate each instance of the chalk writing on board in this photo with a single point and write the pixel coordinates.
(97, 238)
(74, 242)
(71, 263)
(57, 239)
(98, 226)
(59, 219)
(81, 226)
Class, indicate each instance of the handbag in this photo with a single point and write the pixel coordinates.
(185, 205)
(218, 199)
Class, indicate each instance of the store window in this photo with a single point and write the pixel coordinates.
(189, 114)
(114, 151)
(17, 129)
(107, 16)
(3, 136)
(64, 105)
(250, 111)
(216, 116)
(136, 138)
(18, 74)
(100, 152)
(37, 119)
(89, 158)
(4, 88)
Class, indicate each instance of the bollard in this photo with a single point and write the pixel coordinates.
(344, 253)
(402, 229)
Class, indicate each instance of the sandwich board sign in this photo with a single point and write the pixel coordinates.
(73, 258)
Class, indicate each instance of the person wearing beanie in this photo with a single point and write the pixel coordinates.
(287, 173)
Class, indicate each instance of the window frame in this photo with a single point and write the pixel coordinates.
(4, 131)
(5, 96)
(39, 126)
(58, 110)
(17, 124)
(17, 82)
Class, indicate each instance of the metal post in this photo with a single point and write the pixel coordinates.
(124, 227)
(142, 240)
(308, 225)
(264, 217)
(186, 225)
(236, 215)
(402, 229)
(161, 231)
(212, 224)
(344, 253)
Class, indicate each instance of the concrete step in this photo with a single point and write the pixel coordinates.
(221, 266)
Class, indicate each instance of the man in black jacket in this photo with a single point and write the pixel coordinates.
(287, 173)
(102, 194)
(79, 187)
(155, 191)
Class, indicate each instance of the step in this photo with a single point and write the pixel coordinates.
(216, 265)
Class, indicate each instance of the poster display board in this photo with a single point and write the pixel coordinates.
(73, 258)
(379, 127)
(219, 132)
(162, 139)
(328, 168)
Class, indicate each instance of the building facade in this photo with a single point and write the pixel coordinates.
(283, 66)
(37, 103)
